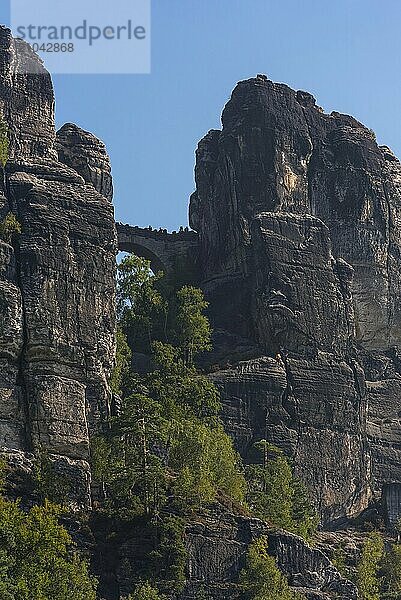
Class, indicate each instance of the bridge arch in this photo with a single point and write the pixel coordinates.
(144, 252)
(165, 251)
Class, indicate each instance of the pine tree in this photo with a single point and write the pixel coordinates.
(261, 579)
(391, 568)
(9, 227)
(193, 328)
(141, 307)
(368, 580)
(276, 496)
(145, 591)
(122, 362)
(4, 143)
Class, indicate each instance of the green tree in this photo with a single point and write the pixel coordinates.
(122, 362)
(49, 484)
(145, 591)
(168, 561)
(304, 516)
(4, 468)
(168, 435)
(368, 568)
(140, 429)
(270, 490)
(180, 389)
(127, 462)
(339, 561)
(206, 463)
(4, 143)
(261, 578)
(38, 560)
(102, 462)
(276, 496)
(151, 449)
(142, 309)
(9, 226)
(391, 569)
(150, 310)
(193, 328)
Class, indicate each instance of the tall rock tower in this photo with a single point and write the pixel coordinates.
(298, 214)
(57, 278)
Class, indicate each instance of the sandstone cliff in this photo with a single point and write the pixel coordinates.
(58, 284)
(296, 243)
(298, 219)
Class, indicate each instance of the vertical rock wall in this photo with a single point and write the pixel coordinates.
(298, 215)
(57, 282)
(278, 151)
(298, 218)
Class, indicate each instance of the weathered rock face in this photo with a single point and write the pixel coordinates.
(312, 410)
(308, 394)
(383, 374)
(297, 287)
(12, 414)
(298, 216)
(217, 542)
(87, 155)
(217, 546)
(57, 282)
(278, 151)
(298, 221)
(26, 100)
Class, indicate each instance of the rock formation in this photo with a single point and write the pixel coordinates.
(217, 545)
(298, 219)
(217, 542)
(296, 243)
(58, 283)
(278, 151)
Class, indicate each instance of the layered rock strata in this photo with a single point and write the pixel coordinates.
(297, 213)
(57, 277)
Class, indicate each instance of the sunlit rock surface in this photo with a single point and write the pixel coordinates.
(57, 279)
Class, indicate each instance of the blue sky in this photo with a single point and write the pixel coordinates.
(346, 52)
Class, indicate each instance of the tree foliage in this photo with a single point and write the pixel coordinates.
(122, 362)
(49, 484)
(144, 591)
(179, 388)
(168, 438)
(368, 568)
(9, 226)
(155, 445)
(4, 143)
(151, 309)
(167, 562)
(339, 561)
(193, 328)
(127, 462)
(261, 578)
(142, 309)
(206, 462)
(391, 569)
(276, 496)
(38, 560)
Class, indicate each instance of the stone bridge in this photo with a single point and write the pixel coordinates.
(167, 252)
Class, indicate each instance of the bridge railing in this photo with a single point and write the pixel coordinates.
(183, 234)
